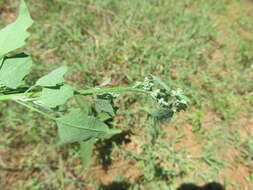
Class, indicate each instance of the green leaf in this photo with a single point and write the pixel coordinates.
(160, 82)
(163, 115)
(14, 69)
(104, 105)
(1, 61)
(53, 78)
(75, 127)
(106, 82)
(50, 98)
(103, 116)
(84, 105)
(13, 36)
(86, 148)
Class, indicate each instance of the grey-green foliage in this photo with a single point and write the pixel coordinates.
(160, 82)
(86, 149)
(52, 97)
(75, 127)
(14, 69)
(14, 35)
(170, 101)
(104, 106)
(53, 78)
(50, 93)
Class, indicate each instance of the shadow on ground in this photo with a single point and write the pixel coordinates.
(105, 147)
(209, 186)
(116, 186)
(186, 186)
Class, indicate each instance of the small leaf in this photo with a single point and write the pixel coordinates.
(104, 105)
(1, 61)
(75, 127)
(13, 36)
(86, 148)
(160, 82)
(84, 105)
(163, 115)
(103, 116)
(14, 69)
(53, 78)
(106, 82)
(50, 98)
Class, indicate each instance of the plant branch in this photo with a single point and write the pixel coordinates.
(36, 110)
(87, 92)
(107, 90)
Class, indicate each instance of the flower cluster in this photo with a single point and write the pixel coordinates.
(170, 101)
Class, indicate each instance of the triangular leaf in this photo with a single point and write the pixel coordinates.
(84, 105)
(103, 116)
(53, 78)
(14, 69)
(86, 148)
(14, 35)
(1, 61)
(163, 114)
(51, 98)
(75, 127)
(106, 82)
(160, 82)
(104, 105)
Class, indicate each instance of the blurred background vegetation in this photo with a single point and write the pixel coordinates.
(202, 46)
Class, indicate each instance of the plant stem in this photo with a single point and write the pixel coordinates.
(11, 97)
(55, 119)
(106, 90)
(36, 110)
(77, 92)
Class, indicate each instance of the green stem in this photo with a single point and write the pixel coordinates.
(77, 92)
(106, 90)
(36, 110)
(29, 89)
(11, 97)
(54, 118)
(17, 97)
